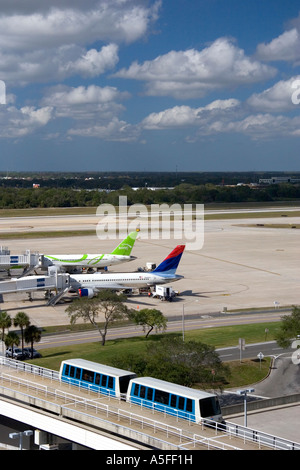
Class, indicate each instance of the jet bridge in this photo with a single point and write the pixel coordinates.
(27, 261)
(53, 282)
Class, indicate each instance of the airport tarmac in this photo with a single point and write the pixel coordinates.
(238, 267)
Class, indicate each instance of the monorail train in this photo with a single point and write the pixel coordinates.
(97, 377)
(177, 400)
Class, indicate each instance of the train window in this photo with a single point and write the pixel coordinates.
(67, 369)
(72, 371)
(110, 382)
(173, 401)
(161, 397)
(189, 404)
(97, 379)
(142, 391)
(88, 376)
(149, 393)
(103, 380)
(181, 403)
(78, 372)
(136, 390)
(209, 407)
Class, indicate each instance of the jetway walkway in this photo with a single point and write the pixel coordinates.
(54, 281)
(28, 385)
(27, 261)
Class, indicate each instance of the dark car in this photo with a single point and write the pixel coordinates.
(31, 353)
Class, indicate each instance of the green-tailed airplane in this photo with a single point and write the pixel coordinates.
(121, 254)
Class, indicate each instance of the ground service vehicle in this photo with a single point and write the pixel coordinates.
(93, 376)
(177, 400)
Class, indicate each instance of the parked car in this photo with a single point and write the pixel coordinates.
(31, 353)
(15, 353)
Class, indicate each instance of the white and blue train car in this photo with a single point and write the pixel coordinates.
(177, 400)
(97, 377)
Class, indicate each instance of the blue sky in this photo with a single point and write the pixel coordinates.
(138, 85)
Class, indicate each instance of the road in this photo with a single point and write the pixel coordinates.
(269, 348)
(180, 324)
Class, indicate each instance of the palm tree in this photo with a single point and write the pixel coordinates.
(32, 334)
(5, 322)
(22, 320)
(12, 339)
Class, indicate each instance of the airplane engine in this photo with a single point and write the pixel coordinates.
(86, 293)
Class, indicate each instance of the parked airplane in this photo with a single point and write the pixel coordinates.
(89, 284)
(71, 263)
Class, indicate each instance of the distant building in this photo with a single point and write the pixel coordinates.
(278, 180)
(151, 188)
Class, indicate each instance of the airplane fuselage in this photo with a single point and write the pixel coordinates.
(86, 260)
(120, 280)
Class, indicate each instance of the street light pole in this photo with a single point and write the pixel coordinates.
(244, 393)
(183, 322)
(16, 435)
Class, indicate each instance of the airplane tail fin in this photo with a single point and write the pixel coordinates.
(125, 247)
(171, 262)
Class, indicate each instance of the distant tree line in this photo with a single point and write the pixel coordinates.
(117, 180)
(184, 193)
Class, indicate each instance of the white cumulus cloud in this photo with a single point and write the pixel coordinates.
(57, 64)
(186, 116)
(16, 123)
(44, 41)
(68, 23)
(278, 98)
(285, 47)
(193, 73)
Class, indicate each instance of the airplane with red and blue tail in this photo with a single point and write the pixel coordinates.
(88, 285)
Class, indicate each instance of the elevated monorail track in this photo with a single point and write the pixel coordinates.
(40, 390)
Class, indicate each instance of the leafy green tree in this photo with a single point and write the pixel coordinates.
(32, 334)
(289, 328)
(12, 339)
(5, 322)
(186, 363)
(149, 318)
(107, 304)
(22, 320)
(131, 361)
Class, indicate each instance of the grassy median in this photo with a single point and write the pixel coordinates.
(246, 372)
